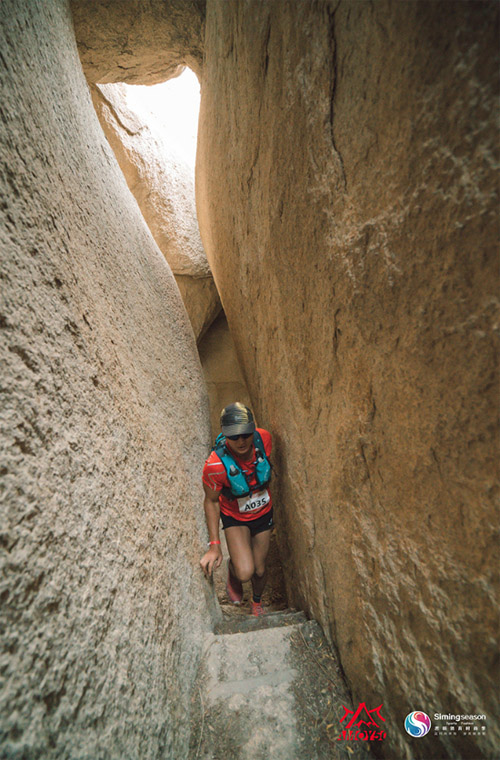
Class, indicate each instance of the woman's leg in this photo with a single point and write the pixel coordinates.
(260, 547)
(241, 564)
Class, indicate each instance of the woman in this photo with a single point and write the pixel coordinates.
(236, 484)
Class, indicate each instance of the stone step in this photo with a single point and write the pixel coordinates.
(247, 623)
(271, 694)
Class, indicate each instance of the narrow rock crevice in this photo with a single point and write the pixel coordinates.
(345, 183)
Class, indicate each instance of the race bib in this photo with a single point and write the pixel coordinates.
(257, 500)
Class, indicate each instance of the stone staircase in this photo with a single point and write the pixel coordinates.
(270, 688)
(248, 623)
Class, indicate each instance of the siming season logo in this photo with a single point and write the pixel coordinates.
(417, 724)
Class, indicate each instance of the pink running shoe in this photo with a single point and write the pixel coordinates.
(257, 609)
(234, 588)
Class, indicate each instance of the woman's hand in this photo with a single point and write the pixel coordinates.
(211, 560)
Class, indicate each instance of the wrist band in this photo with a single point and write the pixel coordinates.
(210, 543)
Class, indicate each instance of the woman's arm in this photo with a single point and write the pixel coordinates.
(212, 559)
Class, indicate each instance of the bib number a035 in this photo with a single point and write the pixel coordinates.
(256, 501)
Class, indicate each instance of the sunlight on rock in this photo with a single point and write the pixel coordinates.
(175, 106)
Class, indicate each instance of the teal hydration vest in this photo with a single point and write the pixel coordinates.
(239, 485)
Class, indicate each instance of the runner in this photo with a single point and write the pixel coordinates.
(247, 519)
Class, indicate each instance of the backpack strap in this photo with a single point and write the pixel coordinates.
(263, 467)
(238, 482)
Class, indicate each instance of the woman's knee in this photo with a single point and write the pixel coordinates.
(244, 570)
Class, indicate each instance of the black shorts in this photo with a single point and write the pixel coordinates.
(256, 526)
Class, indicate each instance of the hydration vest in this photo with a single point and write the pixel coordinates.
(239, 485)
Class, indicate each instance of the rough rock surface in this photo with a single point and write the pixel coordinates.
(274, 693)
(221, 368)
(201, 300)
(137, 41)
(105, 423)
(346, 195)
(163, 186)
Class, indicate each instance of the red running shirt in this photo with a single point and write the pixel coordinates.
(246, 508)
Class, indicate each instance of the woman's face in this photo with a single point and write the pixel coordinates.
(242, 447)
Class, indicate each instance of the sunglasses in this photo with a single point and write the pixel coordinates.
(236, 437)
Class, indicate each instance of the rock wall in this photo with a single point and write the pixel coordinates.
(201, 300)
(163, 186)
(224, 381)
(346, 194)
(142, 42)
(106, 422)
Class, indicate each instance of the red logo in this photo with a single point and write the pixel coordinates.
(371, 730)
